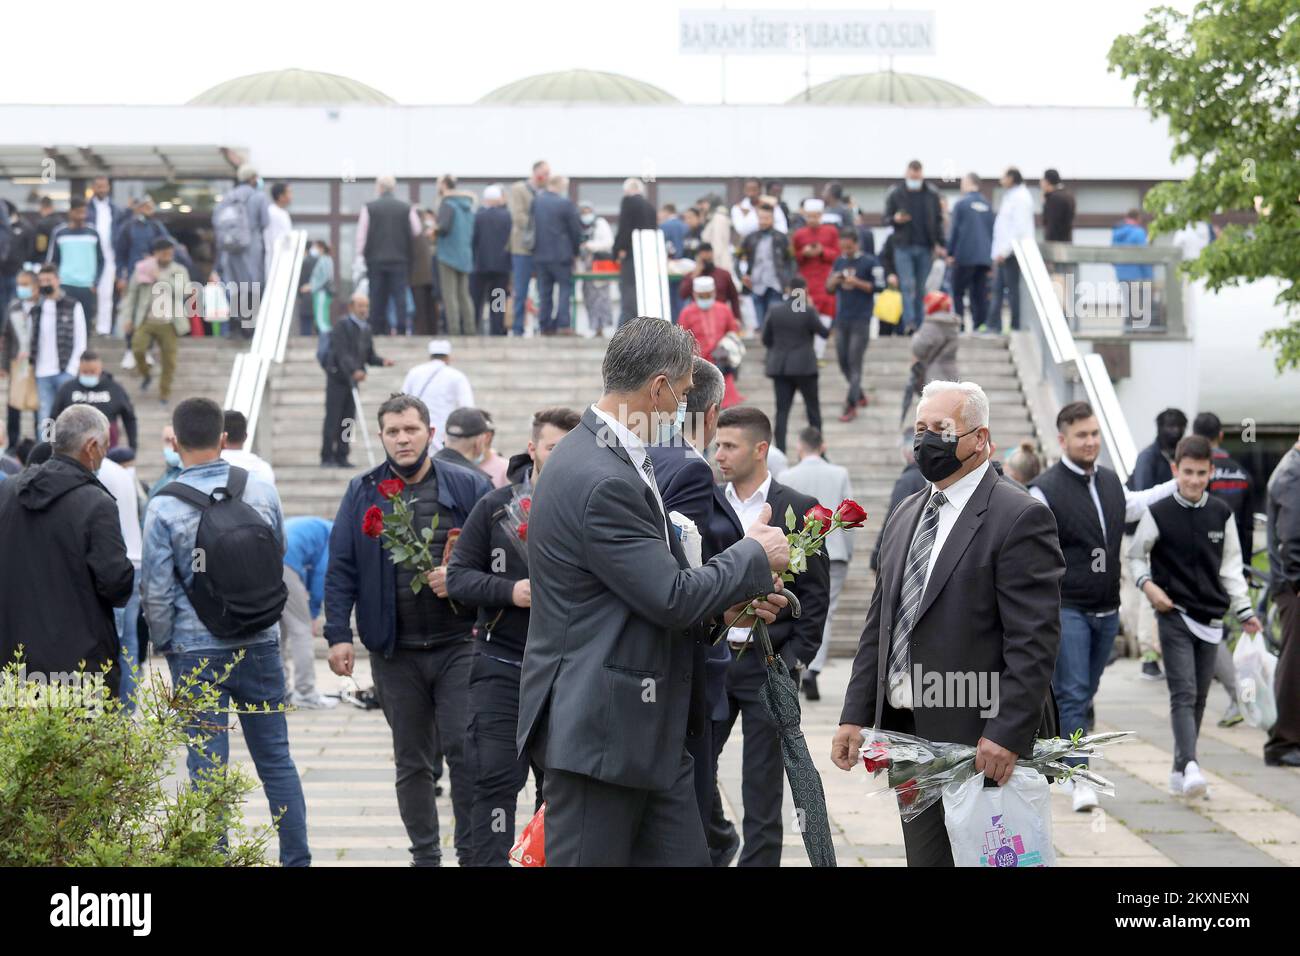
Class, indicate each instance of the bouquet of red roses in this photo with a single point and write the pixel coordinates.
(515, 516)
(396, 533)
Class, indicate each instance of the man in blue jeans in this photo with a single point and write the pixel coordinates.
(912, 207)
(523, 237)
(1091, 506)
(167, 573)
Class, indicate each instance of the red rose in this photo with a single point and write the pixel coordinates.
(850, 513)
(876, 760)
(447, 547)
(525, 504)
(372, 525)
(819, 513)
(523, 531)
(907, 793)
(391, 488)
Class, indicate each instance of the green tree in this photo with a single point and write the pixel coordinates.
(1225, 80)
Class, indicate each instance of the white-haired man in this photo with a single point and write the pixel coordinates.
(386, 230)
(967, 600)
(635, 212)
(64, 564)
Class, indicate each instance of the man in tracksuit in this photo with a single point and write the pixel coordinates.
(1186, 559)
(489, 570)
(419, 641)
(75, 249)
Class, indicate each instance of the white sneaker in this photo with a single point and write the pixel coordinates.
(314, 702)
(1194, 784)
(1085, 797)
(1175, 783)
(128, 361)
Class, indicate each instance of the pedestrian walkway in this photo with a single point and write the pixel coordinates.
(1252, 817)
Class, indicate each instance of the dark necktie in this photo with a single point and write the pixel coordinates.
(909, 603)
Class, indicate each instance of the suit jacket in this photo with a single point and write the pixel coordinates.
(606, 684)
(352, 348)
(829, 484)
(686, 485)
(557, 228)
(795, 639)
(788, 334)
(635, 212)
(992, 606)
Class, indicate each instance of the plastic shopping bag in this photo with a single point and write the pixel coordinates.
(889, 306)
(530, 849)
(216, 306)
(1256, 668)
(1000, 826)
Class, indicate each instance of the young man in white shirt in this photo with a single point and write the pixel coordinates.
(278, 221)
(232, 448)
(1015, 220)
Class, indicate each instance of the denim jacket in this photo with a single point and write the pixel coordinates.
(170, 527)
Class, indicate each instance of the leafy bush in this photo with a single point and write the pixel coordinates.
(84, 783)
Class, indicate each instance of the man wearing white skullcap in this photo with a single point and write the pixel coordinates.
(816, 247)
(442, 388)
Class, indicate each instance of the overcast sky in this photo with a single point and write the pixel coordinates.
(1011, 52)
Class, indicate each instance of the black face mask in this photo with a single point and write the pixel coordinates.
(47, 290)
(937, 458)
(707, 267)
(407, 472)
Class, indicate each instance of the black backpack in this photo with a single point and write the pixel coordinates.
(238, 589)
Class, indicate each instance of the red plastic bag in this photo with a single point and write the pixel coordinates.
(530, 849)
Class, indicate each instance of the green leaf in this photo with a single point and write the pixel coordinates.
(789, 518)
(427, 534)
(417, 583)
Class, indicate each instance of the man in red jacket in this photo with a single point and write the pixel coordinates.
(816, 247)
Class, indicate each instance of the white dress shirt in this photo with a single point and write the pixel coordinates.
(747, 512)
(443, 389)
(1015, 219)
(1135, 502)
(636, 451)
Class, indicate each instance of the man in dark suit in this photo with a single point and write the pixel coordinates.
(607, 672)
(752, 494)
(559, 233)
(635, 212)
(968, 597)
(686, 483)
(351, 349)
(788, 334)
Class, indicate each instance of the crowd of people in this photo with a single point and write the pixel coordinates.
(636, 540)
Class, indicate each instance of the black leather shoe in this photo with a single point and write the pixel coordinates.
(722, 858)
(1288, 758)
(810, 686)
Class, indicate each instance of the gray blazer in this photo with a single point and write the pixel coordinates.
(992, 606)
(607, 671)
(829, 484)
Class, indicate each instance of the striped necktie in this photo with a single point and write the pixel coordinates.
(909, 604)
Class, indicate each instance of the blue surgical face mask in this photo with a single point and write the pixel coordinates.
(587, 218)
(24, 292)
(88, 381)
(913, 184)
(172, 457)
(705, 303)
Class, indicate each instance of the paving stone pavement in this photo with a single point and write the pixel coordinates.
(1250, 818)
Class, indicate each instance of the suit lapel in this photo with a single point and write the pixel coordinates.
(959, 539)
(723, 507)
(605, 436)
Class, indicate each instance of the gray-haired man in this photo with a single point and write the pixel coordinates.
(606, 693)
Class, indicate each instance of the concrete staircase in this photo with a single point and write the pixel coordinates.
(514, 377)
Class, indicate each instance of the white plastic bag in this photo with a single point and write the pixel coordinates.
(1256, 669)
(1000, 826)
(216, 306)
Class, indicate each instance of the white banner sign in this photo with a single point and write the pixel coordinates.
(799, 32)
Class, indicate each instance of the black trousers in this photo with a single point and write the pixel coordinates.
(388, 283)
(1285, 734)
(851, 337)
(626, 291)
(762, 786)
(926, 837)
(975, 280)
(593, 823)
(422, 295)
(424, 695)
(1008, 278)
(339, 409)
(785, 386)
(499, 773)
(491, 289)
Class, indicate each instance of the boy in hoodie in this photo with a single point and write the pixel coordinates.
(489, 570)
(94, 386)
(64, 566)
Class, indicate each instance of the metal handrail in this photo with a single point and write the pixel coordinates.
(248, 389)
(1070, 366)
